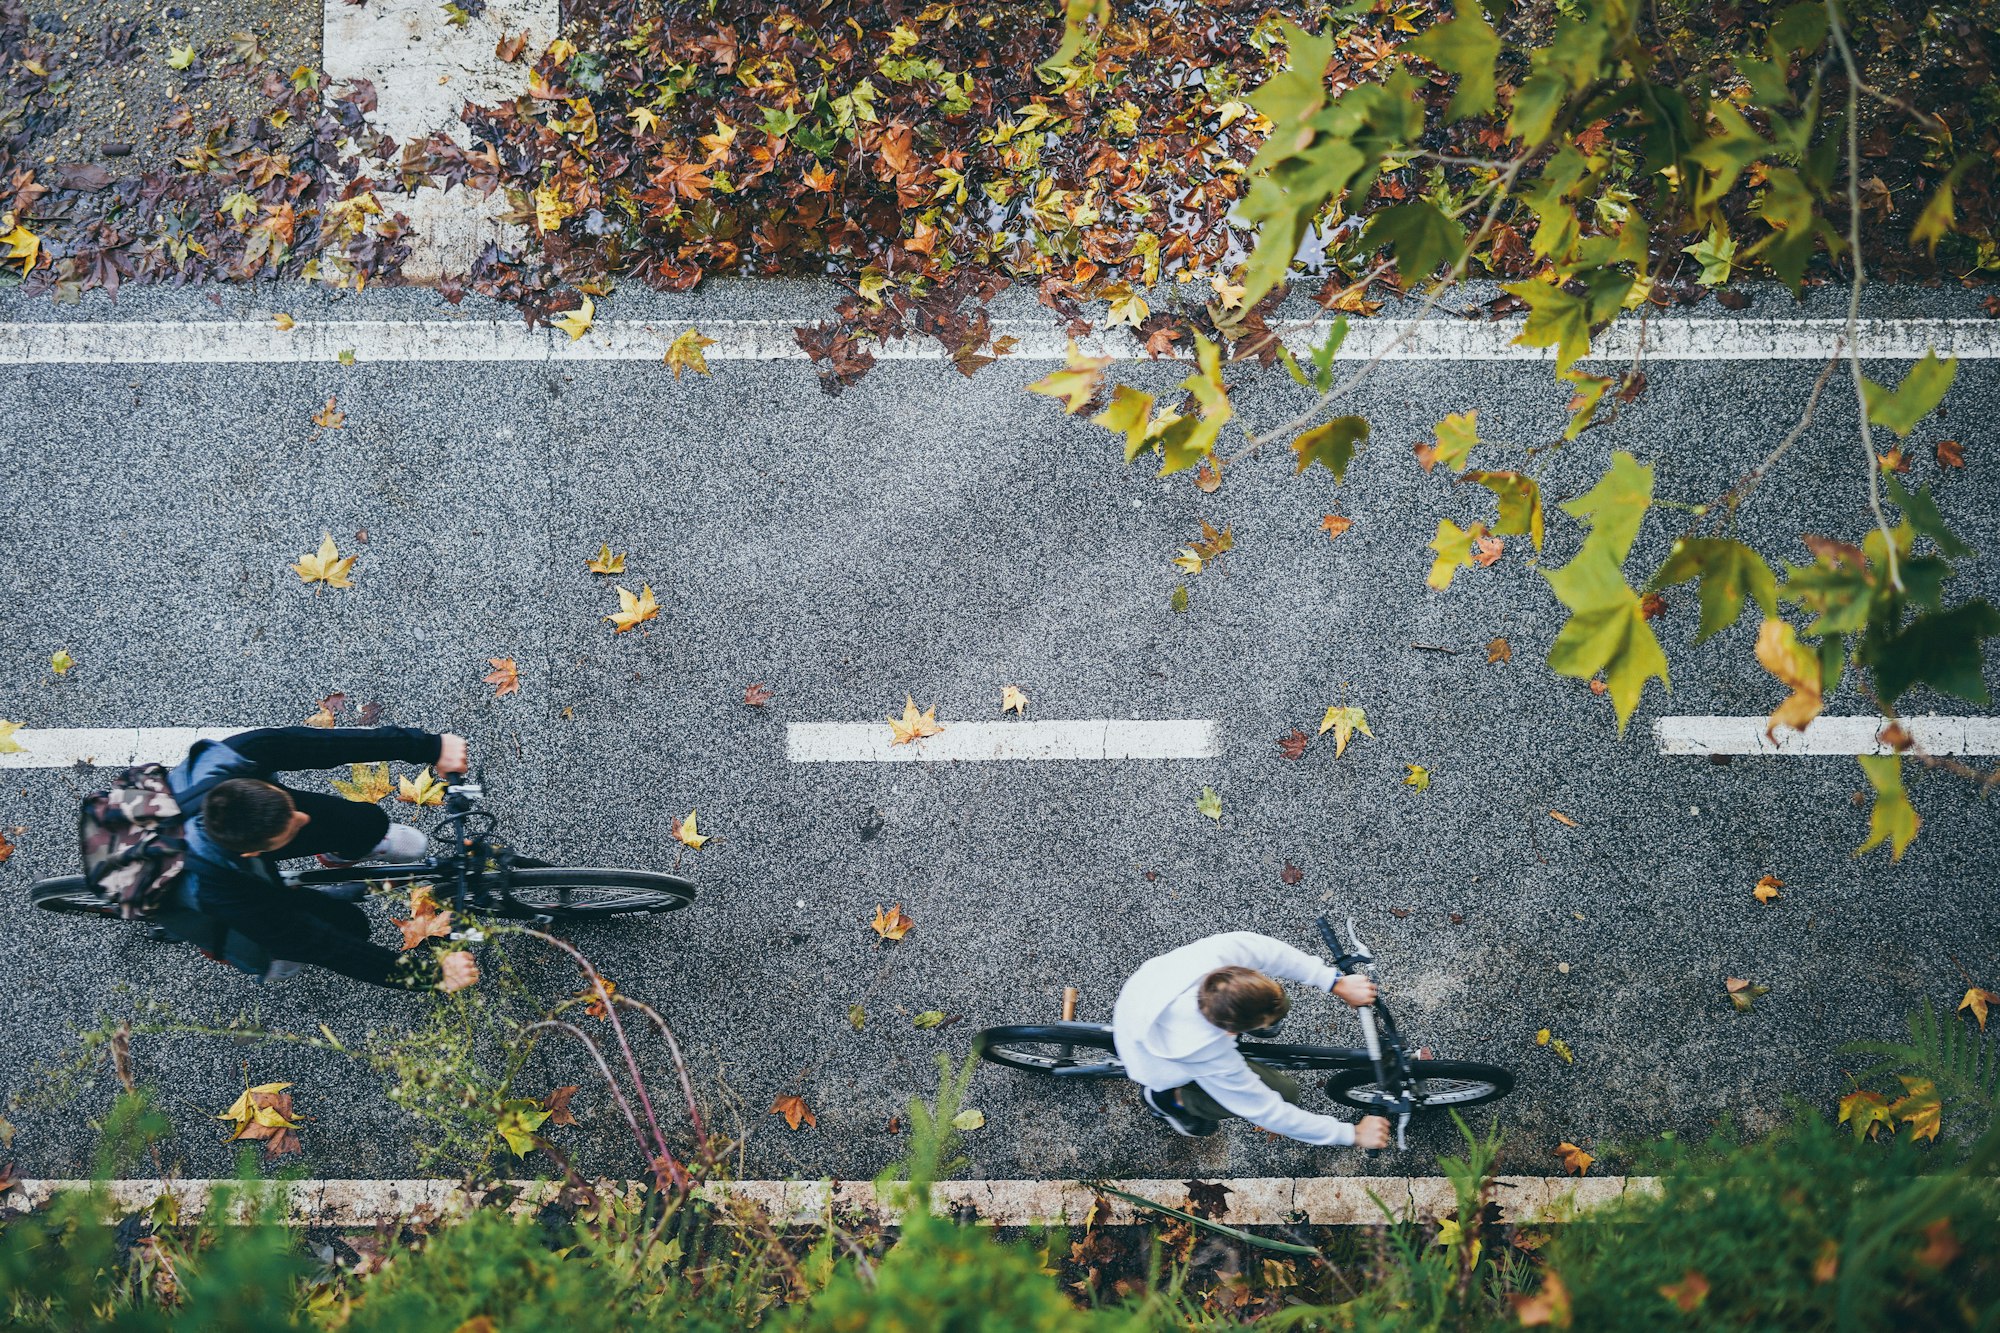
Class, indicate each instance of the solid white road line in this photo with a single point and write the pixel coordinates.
(1256, 1201)
(197, 342)
(985, 742)
(1824, 736)
(107, 747)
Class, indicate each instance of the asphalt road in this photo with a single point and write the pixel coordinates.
(927, 535)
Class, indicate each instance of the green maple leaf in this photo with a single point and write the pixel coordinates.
(1210, 804)
(1716, 253)
(1555, 319)
(1456, 435)
(1938, 217)
(857, 1017)
(1729, 572)
(1536, 102)
(1423, 238)
(1331, 445)
(1922, 513)
(929, 1018)
(1893, 820)
(1187, 440)
(1616, 506)
(1131, 414)
(1520, 503)
(1418, 777)
(1900, 409)
(1468, 47)
(519, 1119)
(1787, 206)
(1607, 631)
(180, 57)
(1941, 649)
(1453, 545)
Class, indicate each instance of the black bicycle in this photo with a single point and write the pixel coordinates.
(1387, 1078)
(471, 870)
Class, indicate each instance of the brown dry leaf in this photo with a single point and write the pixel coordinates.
(1827, 1266)
(1208, 476)
(1950, 453)
(1563, 819)
(1294, 745)
(1574, 1158)
(264, 1114)
(1292, 875)
(505, 677)
(795, 1111)
(1767, 888)
(1652, 606)
(423, 926)
(1335, 525)
(1487, 551)
(595, 1004)
(1499, 650)
(1598, 687)
(913, 725)
(604, 562)
(892, 924)
(633, 610)
(686, 831)
(1012, 700)
(459, 970)
(1549, 1306)
(1688, 1293)
(757, 695)
(508, 49)
(330, 417)
(1975, 999)
(1353, 300)
(557, 1105)
(1896, 460)
(1743, 994)
(1940, 1246)
(7, 850)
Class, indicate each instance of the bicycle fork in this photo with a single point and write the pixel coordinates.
(1400, 1105)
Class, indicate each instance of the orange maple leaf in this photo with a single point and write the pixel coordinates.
(1975, 999)
(1335, 524)
(1574, 1158)
(423, 926)
(892, 924)
(795, 1111)
(505, 677)
(1767, 889)
(1548, 1306)
(1487, 551)
(1688, 1293)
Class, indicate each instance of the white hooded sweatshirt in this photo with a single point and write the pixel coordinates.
(1165, 1042)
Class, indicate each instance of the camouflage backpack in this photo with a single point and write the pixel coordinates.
(133, 845)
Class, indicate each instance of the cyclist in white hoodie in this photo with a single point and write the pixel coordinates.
(1176, 1025)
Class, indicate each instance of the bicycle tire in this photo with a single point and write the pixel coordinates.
(1052, 1049)
(1460, 1083)
(611, 892)
(68, 895)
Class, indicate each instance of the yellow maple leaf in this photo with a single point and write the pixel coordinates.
(1867, 1112)
(686, 831)
(892, 924)
(283, 322)
(60, 661)
(1574, 1158)
(1076, 383)
(1012, 700)
(21, 243)
(1977, 1000)
(685, 353)
(505, 677)
(795, 1111)
(263, 1113)
(1343, 722)
(327, 565)
(646, 119)
(1767, 889)
(330, 417)
(8, 745)
(423, 789)
(606, 563)
(369, 783)
(1920, 1107)
(912, 725)
(576, 323)
(1795, 666)
(633, 610)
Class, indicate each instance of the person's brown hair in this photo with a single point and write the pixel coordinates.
(1241, 999)
(243, 814)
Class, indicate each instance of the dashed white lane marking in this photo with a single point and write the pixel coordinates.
(196, 342)
(1825, 736)
(1254, 1201)
(107, 747)
(985, 742)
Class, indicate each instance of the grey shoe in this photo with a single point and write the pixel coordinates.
(1179, 1119)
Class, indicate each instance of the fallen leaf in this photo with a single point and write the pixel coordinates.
(1076, 383)
(599, 997)
(793, 1108)
(423, 789)
(1212, 543)
(1940, 1245)
(179, 57)
(516, 1124)
(1598, 687)
(60, 662)
(1487, 551)
(1767, 888)
(330, 417)
(423, 926)
(1208, 477)
(345, 356)
(1548, 1306)
(1291, 874)
(1012, 700)
(1335, 525)
(757, 695)
(912, 725)
(1950, 453)
(969, 1118)
(459, 969)
(892, 924)
(857, 1017)
(576, 323)
(1210, 804)
(1977, 1001)
(1418, 777)
(1867, 1112)
(368, 784)
(1743, 994)
(928, 1019)
(1574, 1158)
(283, 322)
(505, 677)
(1919, 1107)
(1688, 1293)
(327, 565)
(1827, 1267)
(685, 353)
(1293, 746)
(685, 831)
(1343, 721)
(1179, 601)
(606, 563)
(633, 610)
(557, 1105)
(508, 49)
(264, 1114)
(1499, 650)
(1557, 1045)
(1563, 819)
(7, 848)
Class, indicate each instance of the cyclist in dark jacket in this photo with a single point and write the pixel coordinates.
(231, 901)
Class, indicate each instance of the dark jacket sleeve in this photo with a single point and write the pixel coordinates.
(282, 749)
(308, 927)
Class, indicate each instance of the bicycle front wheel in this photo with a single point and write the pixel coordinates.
(1439, 1083)
(69, 895)
(1067, 1050)
(582, 895)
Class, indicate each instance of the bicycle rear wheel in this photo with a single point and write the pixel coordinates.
(1067, 1050)
(583, 895)
(1439, 1083)
(69, 895)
